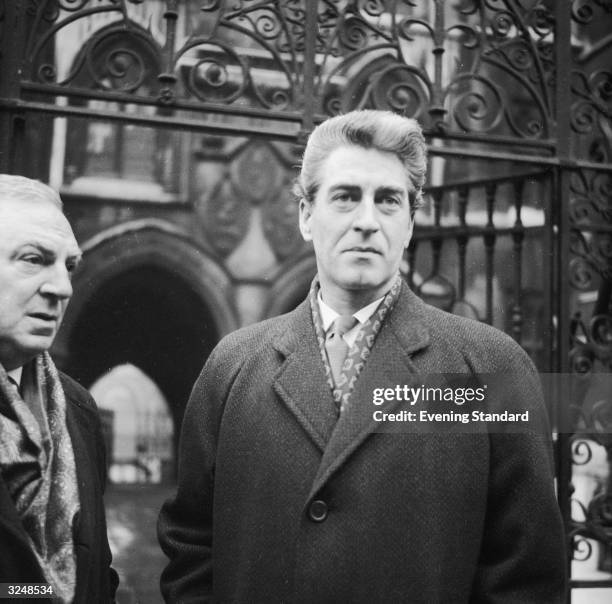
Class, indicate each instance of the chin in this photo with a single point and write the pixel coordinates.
(35, 346)
(363, 281)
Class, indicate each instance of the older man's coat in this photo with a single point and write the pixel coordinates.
(96, 581)
(278, 501)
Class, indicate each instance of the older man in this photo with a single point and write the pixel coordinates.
(52, 462)
(289, 491)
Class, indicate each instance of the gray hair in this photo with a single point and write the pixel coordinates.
(371, 129)
(20, 188)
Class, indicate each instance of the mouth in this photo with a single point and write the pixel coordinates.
(364, 249)
(44, 316)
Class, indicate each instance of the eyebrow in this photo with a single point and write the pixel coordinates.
(76, 256)
(392, 190)
(386, 190)
(342, 187)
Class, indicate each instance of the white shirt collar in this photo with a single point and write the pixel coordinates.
(329, 315)
(16, 374)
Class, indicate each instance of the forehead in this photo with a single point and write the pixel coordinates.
(35, 222)
(358, 166)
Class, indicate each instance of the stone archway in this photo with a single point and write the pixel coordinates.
(146, 295)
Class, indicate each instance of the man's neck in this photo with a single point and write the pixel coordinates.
(348, 302)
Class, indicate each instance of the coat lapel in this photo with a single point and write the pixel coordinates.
(300, 381)
(301, 385)
(82, 434)
(404, 332)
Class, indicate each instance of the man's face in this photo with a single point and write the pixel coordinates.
(359, 222)
(38, 253)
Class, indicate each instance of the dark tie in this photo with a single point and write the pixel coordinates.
(335, 345)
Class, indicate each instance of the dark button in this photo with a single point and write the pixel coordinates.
(317, 510)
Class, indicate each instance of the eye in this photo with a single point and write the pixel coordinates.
(344, 199)
(389, 202)
(342, 196)
(35, 259)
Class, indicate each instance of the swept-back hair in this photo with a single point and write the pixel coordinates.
(370, 129)
(20, 188)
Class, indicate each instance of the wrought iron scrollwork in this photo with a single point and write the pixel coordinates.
(583, 549)
(590, 281)
(436, 65)
(457, 93)
(249, 53)
(592, 514)
(590, 412)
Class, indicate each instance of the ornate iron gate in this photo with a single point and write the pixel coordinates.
(516, 100)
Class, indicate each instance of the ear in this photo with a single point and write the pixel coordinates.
(305, 216)
(409, 232)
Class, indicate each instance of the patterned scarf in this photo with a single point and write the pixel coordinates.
(360, 351)
(37, 464)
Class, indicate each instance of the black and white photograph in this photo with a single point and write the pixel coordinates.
(306, 301)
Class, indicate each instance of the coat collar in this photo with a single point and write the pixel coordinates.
(81, 427)
(301, 385)
(407, 321)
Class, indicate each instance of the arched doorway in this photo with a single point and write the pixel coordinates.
(140, 443)
(150, 318)
(145, 295)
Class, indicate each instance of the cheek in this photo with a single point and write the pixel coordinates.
(10, 302)
(10, 319)
(398, 234)
(322, 235)
(13, 304)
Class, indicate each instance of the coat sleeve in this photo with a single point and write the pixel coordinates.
(185, 521)
(523, 555)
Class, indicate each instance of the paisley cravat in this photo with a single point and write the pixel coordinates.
(335, 346)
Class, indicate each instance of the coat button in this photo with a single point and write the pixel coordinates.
(317, 511)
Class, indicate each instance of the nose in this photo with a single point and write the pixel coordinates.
(366, 217)
(57, 282)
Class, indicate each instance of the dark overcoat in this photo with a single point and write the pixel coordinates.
(279, 502)
(96, 581)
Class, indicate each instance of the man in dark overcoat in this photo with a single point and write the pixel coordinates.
(52, 459)
(292, 488)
